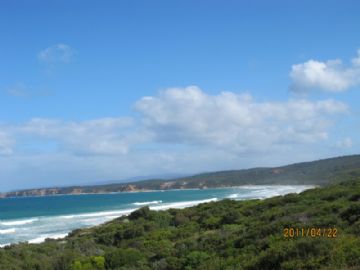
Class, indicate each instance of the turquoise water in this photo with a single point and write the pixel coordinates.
(33, 219)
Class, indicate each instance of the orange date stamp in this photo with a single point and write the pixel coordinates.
(313, 232)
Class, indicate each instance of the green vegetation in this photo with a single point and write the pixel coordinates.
(213, 236)
(321, 172)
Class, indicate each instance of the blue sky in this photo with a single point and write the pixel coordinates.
(94, 91)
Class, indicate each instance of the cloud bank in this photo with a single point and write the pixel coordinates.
(190, 117)
(235, 121)
(330, 76)
(180, 130)
(103, 136)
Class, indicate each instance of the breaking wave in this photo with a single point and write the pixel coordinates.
(18, 222)
(147, 203)
(8, 231)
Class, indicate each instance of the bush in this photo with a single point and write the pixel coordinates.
(123, 257)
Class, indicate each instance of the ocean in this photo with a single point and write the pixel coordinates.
(34, 219)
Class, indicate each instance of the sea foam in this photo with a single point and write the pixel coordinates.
(42, 238)
(181, 204)
(18, 222)
(8, 231)
(147, 203)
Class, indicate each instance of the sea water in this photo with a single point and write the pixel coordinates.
(34, 219)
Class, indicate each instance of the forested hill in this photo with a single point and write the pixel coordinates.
(318, 172)
(317, 229)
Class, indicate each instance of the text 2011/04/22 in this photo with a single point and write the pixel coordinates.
(293, 232)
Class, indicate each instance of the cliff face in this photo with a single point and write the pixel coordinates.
(70, 190)
(31, 192)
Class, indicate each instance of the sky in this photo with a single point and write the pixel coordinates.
(94, 91)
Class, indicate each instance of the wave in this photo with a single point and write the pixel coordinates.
(102, 216)
(18, 222)
(147, 203)
(107, 213)
(263, 192)
(182, 204)
(45, 236)
(8, 231)
(98, 214)
(68, 216)
(114, 214)
(233, 196)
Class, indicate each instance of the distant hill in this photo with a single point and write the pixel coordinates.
(318, 172)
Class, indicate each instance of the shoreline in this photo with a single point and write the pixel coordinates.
(107, 215)
(126, 213)
(156, 190)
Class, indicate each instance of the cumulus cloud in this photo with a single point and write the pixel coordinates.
(180, 130)
(58, 53)
(235, 121)
(96, 137)
(186, 117)
(331, 75)
(6, 144)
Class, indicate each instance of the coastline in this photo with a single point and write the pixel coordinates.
(60, 223)
(126, 213)
(155, 190)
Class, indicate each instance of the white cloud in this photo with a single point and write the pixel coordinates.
(356, 61)
(99, 136)
(235, 121)
(345, 143)
(181, 130)
(6, 144)
(57, 53)
(332, 75)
